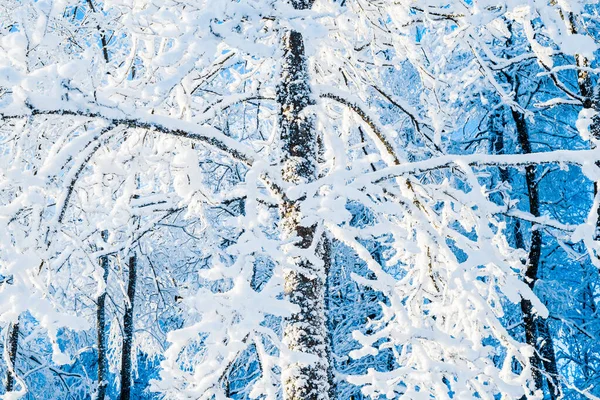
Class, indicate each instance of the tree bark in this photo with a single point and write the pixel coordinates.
(101, 328)
(305, 331)
(13, 347)
(325, 254)
(537, 333)
(128, 331)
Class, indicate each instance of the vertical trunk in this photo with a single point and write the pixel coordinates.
(101, 301)
(496, 127)
(128, 331)
(537, 333)
(325, 254)
(548, 358)
(13, 347)
(103, 40)
(588, 303)
(101, 328)
(305, 330)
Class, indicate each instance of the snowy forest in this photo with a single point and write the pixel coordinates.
(300, 199)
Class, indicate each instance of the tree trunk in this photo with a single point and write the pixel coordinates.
(101, 328)
(537, 333)
(325, 254)
(13, 347)
(548, 358)
(128, 331)
(305, 331)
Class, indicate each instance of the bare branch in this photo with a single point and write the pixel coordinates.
(206, 134)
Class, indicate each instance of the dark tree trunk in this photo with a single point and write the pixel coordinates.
(548, 358)
(101, 328)
(496, 128)
(305, 330)
(13, 348)
(128, 331)
(537, 333)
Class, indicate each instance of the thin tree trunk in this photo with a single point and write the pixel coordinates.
(305, 330)
(497, 129)
(537, 333)
(535, 328)
(101, 305)
(13, 347)
(101, 328)
(548, 358)
(128, 331)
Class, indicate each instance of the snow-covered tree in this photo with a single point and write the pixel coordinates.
(185, 182)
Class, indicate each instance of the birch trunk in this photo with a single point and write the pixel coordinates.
(305, 330)
(325, 253)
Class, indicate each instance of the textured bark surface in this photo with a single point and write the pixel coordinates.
(324, 252)
(305, 331)
(13, 347)
(101, 328)
(128, 332)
